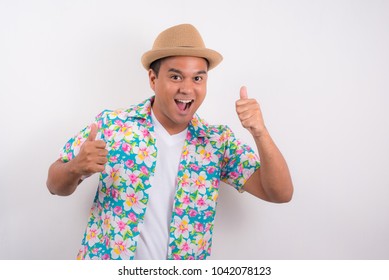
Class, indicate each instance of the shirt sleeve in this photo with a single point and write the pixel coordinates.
(239, 163)
(73, 145)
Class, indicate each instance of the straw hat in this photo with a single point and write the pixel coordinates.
(180, 40)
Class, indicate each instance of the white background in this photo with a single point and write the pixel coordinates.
(319, 69)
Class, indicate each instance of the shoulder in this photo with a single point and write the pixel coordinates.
(218, 132)
(137, 111)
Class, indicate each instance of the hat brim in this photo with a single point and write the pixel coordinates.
(213, 57)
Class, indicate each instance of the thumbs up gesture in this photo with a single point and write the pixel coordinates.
(250, 114)
(92, 156)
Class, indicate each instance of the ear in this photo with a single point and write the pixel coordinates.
(152, 78)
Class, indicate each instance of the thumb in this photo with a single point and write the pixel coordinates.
(93, 132)
(243, 93)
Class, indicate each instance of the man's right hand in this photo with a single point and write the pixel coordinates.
(92, 155)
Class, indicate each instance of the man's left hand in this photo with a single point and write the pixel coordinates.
(250, 114)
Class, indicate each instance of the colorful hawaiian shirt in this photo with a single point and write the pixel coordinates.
(210, 154)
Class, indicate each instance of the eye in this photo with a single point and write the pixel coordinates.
(175, 77)
(198, 79)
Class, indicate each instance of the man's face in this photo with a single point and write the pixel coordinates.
(180, 88)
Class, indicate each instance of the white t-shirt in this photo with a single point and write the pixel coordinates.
(153, 241)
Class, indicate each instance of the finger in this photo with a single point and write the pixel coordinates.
(243, 105)
(103, 153)
(246, 115)
(101, 160)
(100, 144)
(93, 132)
(243, 93)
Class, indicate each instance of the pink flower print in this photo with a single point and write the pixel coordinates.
(119, 113)
(203, 133)
(106, 222)
(208, 213)
(215, 183)
(176, 257)
(132, 178)
(185, 248)
(92, 235)
(187, 151)
(234, 175)
(221, 140)
(118, 210)
(126, 147)
(132, 217)
(144, 170)
(145, 132)
(113, 159)
(132, 200)
(105, 257)
(185, 181)
(120, 225)
(120, 248)
(194, 167)
(115, 193)
(108, 133)
(129, 163)
(182, 227)
(215, 195)
(200, 181)
(189, 136)
(207, 154)
(202, 242)
(123, 130)
(113, 177)
(202, 202)
(186, 199)
(199, 227)
(76, 145)
(251, 158)
(179, 211)
(210, 169)
(192, 213)
(119, 123)
(145, 154)
(82, 252)
(240, 168)
(115, 145)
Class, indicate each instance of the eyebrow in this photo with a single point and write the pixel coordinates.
(180, 72)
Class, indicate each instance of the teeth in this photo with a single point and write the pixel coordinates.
(184, 101)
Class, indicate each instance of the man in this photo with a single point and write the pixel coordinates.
(161, 157)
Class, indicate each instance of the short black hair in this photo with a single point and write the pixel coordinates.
(156, 65)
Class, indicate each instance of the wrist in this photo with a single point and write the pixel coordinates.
(260, 133)
(73, 169)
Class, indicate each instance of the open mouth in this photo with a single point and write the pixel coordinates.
(183, 104)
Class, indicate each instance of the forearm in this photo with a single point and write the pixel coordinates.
(274, 172)
(63, 178)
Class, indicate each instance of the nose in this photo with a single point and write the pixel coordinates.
(186, 87)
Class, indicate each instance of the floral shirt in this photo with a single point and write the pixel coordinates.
(210, 154)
